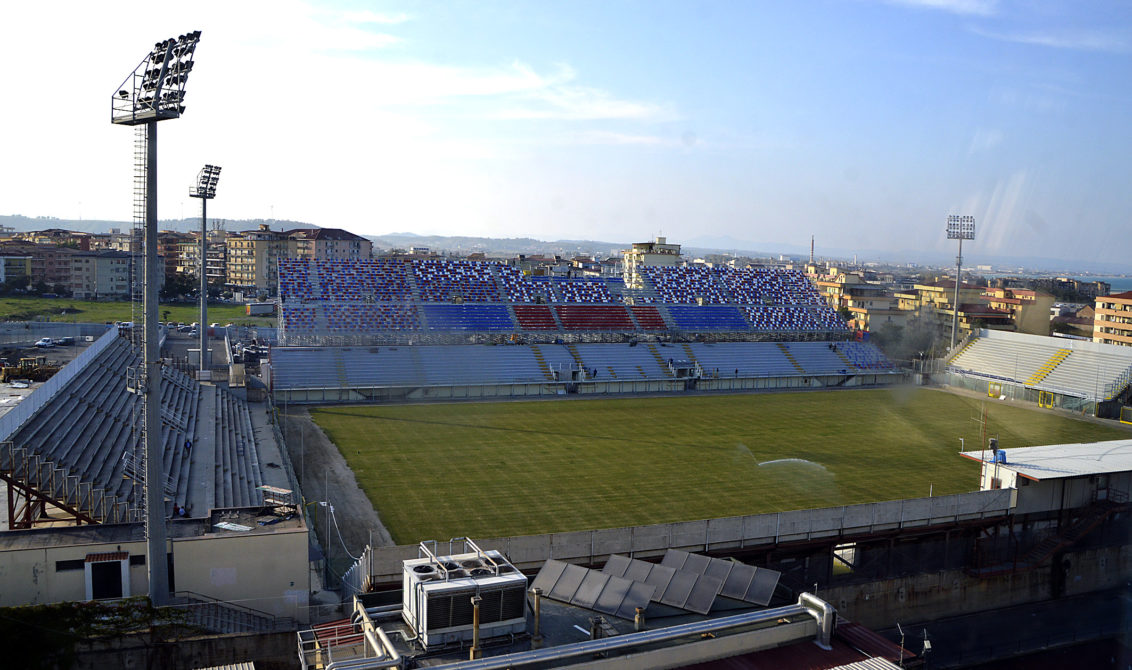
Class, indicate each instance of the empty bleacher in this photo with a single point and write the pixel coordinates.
(595, 317)
(620, 362)
(1076, 368)
(468, 317)
(696, 318)
(648, 317)
(88, 431)
(535, 317)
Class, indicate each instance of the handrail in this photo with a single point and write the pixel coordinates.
(209, 600)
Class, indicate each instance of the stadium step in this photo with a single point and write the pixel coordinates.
(541, 360)
(578, 359)
(691, 356)
(660, 360)
(790, 357)
(1049, 366)
(844, 359)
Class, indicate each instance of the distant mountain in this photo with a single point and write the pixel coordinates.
(496, 245)
(26, 223)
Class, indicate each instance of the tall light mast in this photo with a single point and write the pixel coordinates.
(205, 189)
(154, 91)
(958, 228)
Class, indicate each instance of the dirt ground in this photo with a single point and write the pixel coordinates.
(320, 467)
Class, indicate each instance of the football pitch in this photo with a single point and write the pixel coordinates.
(437, 471)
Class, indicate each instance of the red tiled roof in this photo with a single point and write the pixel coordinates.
(1127, 295)
(107, 556)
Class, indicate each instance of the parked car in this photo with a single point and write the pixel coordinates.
(45, 343)
(66, 341)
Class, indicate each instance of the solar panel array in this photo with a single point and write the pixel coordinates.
(740, 581)
(682, 589)
(592, 589)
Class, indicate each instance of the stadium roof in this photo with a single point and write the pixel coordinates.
(1055, 461)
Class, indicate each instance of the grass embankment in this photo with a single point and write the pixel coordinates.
(513, 468)
(98, 311)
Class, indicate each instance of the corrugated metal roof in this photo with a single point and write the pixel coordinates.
(1054, 461)
(869, 664)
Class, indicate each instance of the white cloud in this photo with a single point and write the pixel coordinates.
(579, 103)
(963, 7)
(1081, 40)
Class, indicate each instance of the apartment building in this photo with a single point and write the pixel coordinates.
(100, 275)
(1112, 322)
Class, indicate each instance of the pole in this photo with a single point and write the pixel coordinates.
(205, 362)
(955, 304)
(156, 561)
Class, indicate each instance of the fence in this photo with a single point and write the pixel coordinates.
(25, 333)
(384, 564)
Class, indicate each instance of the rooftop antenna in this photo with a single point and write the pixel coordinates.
(205, 189)
(958, 228)
(154, 91)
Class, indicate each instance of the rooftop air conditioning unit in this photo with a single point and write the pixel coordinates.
(438, 590)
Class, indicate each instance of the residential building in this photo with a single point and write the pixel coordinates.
(50, 264)
(57, 236)
(323, 243)
(171, 245)
(15, 269)
(645, 254)
(100, 275)
(253, 259)
(1112, 322)
(937, 299)
(1029, 309)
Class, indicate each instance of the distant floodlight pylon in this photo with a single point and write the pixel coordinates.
(205, 189)
(958, 228)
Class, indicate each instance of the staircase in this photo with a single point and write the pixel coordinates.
(844, 359)
(790, 357)
(1092, 517)
(217, 616)
(578, 359)
(546, 372)
(660, 360)
(1048, 367)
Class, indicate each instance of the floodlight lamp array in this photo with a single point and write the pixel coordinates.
(155, 90)
(960, 227)
(207, 179)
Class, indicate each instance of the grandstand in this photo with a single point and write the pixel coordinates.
(383, 329)
(81, 429)
(395, 301)
(1054, 372)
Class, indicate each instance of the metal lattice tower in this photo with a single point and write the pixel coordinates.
(136, 466)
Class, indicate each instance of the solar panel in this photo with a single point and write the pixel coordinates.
(592, 589)
(703, 594)
(763, 585)
(679, 589)
(739, 580)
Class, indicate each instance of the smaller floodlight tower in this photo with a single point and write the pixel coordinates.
(154, 91)
(205, 189)
(958, 228)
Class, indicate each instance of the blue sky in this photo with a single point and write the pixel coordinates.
(755, 124)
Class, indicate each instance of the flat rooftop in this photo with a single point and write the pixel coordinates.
(1055, 461)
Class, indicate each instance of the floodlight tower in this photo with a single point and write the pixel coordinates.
(958, 228)
(154, 91)
(205, 189)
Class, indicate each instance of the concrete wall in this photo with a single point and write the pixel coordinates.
(263, 571)
(925, 597)
(383, 564)
(269, 651)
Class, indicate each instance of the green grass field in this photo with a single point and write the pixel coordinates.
(513, 468)
(91, 311)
